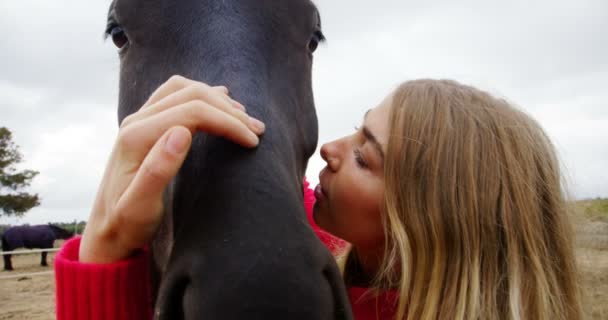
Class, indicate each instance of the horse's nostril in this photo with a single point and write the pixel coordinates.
(169, 305)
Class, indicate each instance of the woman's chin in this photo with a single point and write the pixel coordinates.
(318, 216)
(315, 213)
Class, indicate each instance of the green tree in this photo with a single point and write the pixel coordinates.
(13, 200)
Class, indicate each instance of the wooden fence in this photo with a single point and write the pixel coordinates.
(20, 275)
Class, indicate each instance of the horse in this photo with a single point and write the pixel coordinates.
(31, 237)
(235, 242)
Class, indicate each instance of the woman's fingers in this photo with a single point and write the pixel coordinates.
(144, 192)
(196, 91)
(137, 138)
(119, 225)
(229, 99)
(179, 90)
(174, 83)
(151, 147)
(160, 165)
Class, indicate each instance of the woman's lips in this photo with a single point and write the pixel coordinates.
(321, 193)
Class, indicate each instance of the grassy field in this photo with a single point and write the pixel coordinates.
(590, 220)
(33, 297)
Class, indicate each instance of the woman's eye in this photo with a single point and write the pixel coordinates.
(119, 36)
(358, 155)
(359, 158)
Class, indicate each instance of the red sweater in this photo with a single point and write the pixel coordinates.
(121, 290)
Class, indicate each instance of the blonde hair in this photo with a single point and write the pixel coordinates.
(474, 214)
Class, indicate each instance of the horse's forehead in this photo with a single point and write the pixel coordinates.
(143, 9)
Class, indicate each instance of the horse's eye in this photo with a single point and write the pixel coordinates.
(314, 41)
(118, 37)
(312, 46)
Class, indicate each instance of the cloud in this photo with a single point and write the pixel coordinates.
(59, 80)
(58, 88)
(545, 57)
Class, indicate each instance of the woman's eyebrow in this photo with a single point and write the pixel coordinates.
(372, 138)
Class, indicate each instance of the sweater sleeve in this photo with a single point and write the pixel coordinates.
(118, 290)
(333, 243)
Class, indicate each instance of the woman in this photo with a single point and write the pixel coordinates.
(450, 199)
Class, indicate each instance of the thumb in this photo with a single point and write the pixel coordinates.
(158, 168)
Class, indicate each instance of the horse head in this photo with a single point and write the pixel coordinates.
(60, 233)
(235, 242)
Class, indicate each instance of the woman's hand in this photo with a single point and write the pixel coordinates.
(151, 147)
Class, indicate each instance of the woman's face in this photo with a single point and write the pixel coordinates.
(351, 187)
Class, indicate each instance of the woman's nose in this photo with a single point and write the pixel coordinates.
(329, 153)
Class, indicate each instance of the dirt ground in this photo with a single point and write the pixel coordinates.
(32, 297)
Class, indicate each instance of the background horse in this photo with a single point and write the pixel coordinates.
(235, 242)
(31, 237)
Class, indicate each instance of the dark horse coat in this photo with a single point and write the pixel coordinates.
(236, 243)
(31, 237)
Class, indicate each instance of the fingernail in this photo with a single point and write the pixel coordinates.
(177, 142)
(254, 139)
(257, 124)
(237, 105)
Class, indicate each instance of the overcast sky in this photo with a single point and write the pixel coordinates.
(58, 79)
